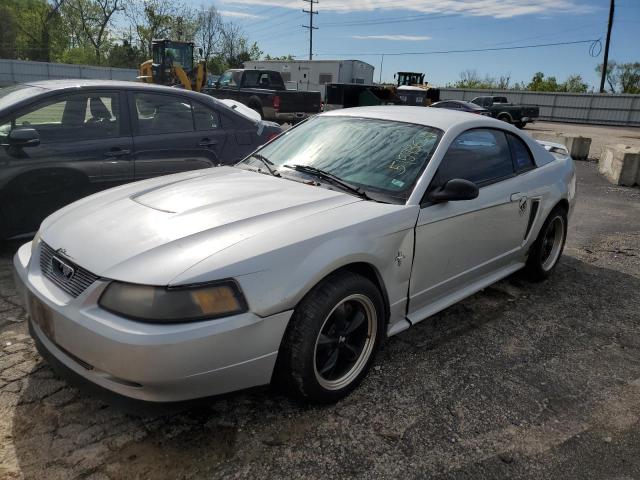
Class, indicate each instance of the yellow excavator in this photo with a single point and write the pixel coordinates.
(173, 65)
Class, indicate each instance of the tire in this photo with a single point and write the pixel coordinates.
(546, 251)
(504, 117)
(323, 357)
(521, 125)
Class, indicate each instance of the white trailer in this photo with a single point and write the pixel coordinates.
(313, 75)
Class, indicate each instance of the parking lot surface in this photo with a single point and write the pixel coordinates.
(521, 380)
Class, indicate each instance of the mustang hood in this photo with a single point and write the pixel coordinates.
(152, 231)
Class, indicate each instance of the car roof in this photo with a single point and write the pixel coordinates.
(79, 84)
(432, 117)
(52, 85)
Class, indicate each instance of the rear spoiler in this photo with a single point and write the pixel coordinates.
(556, 148)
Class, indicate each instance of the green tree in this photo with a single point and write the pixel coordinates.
(541, 84)
(40, 33)
(622, 77)
(282, 58)
(8, 32)
(125, 55)
(574, 84)
(94, 17)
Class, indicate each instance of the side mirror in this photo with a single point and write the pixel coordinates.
(454, 189)
(24, 137)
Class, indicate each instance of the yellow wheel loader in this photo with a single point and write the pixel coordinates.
(412, 89)
(173, 65)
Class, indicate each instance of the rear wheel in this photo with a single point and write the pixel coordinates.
(504, 117)
(332, 339)
(547, 249)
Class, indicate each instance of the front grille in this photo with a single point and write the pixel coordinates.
(76, 283)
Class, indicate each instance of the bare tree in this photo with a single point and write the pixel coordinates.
(94, 17)
(161, 19)
(208, 35)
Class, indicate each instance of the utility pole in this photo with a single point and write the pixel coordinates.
(605, 64)
(310, 26)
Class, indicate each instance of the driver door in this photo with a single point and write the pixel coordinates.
(460, 244)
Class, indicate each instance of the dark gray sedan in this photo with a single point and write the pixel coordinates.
(61, 140)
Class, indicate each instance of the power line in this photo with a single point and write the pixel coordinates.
(470, 50)
(380, 21)
(310, 26)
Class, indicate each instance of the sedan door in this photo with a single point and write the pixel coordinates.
(80, 145)
(169, 138)
(461, 245)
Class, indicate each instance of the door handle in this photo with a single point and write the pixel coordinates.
(518, 196)
(205, 142)
(117, 152)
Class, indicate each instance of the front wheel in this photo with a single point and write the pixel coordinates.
(521, 125)
(547, 249)
(332, 339)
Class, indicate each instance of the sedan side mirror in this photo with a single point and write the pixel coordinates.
(454, 189)
(24, 137)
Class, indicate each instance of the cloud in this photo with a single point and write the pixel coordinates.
(233, 13)
(396, 38)
(491, 8)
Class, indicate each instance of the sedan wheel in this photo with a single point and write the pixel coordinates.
(547, 249)
(345, 342)
(332, 338)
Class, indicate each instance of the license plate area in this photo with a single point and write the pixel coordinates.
(42, 316)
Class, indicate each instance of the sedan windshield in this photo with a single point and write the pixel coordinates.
(380, 157)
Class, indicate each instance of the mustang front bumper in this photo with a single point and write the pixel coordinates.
(152, 362)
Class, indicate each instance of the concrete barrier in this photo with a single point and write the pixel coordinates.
(577, 145)
(620, 164)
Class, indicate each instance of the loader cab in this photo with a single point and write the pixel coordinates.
(167, 54)
(409, 78)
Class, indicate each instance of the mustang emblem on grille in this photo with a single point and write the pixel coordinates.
(62, 269)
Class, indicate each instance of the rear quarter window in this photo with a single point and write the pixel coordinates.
(522, 158)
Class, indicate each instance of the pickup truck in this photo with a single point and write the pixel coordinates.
(501, 109)
(264, 91)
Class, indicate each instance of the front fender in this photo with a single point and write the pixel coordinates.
(278, 268)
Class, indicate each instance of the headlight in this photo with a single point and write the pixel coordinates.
(35, 242)
(173, 304)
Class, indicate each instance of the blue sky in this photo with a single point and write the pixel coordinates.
(363, 29)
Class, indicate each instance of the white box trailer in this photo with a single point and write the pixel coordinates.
(313, 75)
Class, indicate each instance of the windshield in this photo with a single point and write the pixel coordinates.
(15, 93)
(380, 156)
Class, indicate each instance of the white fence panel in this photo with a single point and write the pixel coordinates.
(591, 108)
(19, 71)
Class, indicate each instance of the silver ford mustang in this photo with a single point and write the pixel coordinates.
(293, 265)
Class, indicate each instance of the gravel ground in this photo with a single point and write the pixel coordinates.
(519, 381)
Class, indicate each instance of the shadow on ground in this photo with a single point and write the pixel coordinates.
(520, 380)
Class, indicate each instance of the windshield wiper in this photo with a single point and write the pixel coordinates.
(331, 178)
(267, 163)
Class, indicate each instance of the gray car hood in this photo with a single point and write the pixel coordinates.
(158, 228)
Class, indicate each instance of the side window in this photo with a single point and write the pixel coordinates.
(160, 114)
(227, 79)
(73, 118)
(521, 155)
(481, 156)
(206, 118)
